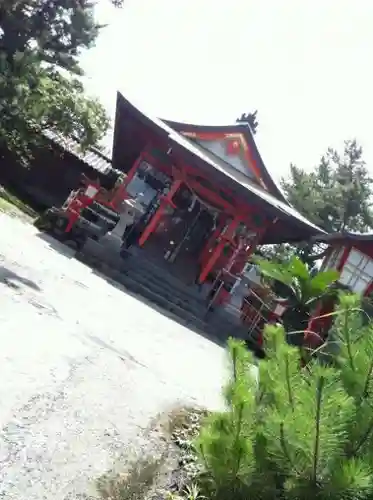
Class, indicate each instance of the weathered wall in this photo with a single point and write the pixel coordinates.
(52, 174)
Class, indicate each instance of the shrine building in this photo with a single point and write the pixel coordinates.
(206, 198)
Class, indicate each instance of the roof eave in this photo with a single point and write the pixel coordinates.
(247, 133)
(306, 228)
(343, 237)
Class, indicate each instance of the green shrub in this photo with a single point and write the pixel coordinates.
(292, 432)
(302, 289)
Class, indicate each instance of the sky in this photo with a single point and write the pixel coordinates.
(303, 64)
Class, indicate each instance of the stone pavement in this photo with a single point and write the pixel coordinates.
(84, 367)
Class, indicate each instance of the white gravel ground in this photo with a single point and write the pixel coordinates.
(84, 367)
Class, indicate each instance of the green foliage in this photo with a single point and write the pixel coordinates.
(41, 99)
(40, 43)
(336, 194)
(300, 287)
(55, 30)
(295, 433)
(226, 442)
(191, 492)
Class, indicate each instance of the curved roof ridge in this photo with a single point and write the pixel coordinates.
(205, 125)
(271, 184)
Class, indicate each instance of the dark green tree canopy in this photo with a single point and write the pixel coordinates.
(40, 42)
(337, 194)
(55, 30)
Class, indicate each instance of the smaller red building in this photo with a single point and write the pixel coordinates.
(352, 255)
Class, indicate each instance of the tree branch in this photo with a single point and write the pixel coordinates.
(288, 383)
(320, 387)
(318, 256)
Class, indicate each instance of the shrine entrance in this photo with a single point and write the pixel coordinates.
(180, 235)
(188, 228)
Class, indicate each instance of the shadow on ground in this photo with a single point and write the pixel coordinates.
(213, 334)
(14, 280)
(220, 340)
(56, 245)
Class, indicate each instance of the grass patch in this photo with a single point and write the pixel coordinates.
(170, 473)
(132, 485)
(5, 206)
(180, 418)
(12, 205)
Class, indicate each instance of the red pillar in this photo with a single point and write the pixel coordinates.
(311, 335)
(215, 235)
(121, 192)
(166, 200)
(259, 236)
(225, 238)
(368, 290)
(344, 257)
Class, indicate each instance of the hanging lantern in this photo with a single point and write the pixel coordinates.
(233, 147)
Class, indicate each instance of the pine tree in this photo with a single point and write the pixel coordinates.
(336, 195)
(293, 433)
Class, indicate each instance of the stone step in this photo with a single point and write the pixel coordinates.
(95, 254)
(163, 290)
(137, 264)
(180, 310)
(218, 320)
(173, 297)
(140, 283)
(142, 270)
(218, 328)
(169, 296)
(165, 287)
(213, 324)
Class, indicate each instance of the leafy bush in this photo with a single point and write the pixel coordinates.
(292, 432)
(301, 288)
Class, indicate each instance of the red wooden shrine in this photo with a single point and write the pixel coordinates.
(221, 170)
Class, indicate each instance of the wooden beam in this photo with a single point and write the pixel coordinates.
(214, 257)
(154, 221)
(121, 191)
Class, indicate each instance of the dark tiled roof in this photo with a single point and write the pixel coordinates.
(279, 208)
(93, 157)
(344, 236)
